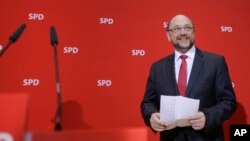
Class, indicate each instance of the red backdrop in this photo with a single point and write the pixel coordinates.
(105, 51)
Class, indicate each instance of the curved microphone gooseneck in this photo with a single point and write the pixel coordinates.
(54, 43)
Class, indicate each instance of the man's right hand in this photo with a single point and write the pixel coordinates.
(159, 126)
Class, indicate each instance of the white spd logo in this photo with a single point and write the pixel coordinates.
(226, 29)
(106, 21)
(5, 137)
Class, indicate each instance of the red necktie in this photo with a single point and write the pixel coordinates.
(182, 79)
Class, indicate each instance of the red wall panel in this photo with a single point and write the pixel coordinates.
(104, 52)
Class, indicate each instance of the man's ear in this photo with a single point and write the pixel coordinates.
(169, 38)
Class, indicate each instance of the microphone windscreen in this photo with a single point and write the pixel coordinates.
(53, 36)
(18, 32)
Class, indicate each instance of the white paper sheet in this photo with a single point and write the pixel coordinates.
(177, 109)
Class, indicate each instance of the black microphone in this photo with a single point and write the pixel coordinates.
(16, 35)
(54, 42)
(53, 36)
(13, 38)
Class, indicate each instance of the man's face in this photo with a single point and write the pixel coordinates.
(181, 33)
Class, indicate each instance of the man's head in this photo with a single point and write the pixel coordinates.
(180, 32)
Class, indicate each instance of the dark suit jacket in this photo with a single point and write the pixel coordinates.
(209, 82)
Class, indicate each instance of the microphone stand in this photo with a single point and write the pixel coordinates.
(58, 120)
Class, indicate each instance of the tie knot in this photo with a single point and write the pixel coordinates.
(183, 57)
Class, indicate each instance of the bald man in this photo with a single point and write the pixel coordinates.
(206, 79)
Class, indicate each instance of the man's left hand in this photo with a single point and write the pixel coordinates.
(198, 121)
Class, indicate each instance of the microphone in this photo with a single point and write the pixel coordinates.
(53, 36)
(13, 38)
(54, 43)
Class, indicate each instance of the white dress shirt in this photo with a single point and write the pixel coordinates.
(190, 59)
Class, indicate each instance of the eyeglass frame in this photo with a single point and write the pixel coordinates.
(177, 29)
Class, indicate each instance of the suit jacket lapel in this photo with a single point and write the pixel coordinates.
(170, 67)
(197, 64)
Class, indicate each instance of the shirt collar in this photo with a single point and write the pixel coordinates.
(190, 53)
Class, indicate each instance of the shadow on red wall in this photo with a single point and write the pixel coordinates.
(239, 117)
(72, 116)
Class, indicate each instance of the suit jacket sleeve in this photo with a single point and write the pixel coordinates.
(225, 98)
(149, 103)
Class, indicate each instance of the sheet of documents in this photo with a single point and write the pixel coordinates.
(177, 109)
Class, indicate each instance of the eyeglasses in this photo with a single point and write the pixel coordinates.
(177, 29)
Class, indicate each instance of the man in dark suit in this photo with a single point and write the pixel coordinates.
(206, 78)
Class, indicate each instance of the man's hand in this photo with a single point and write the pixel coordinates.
(198, 121)
(159, 126)
(183, 122)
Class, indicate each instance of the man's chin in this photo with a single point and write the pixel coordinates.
(185, 45)
(183, 48)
